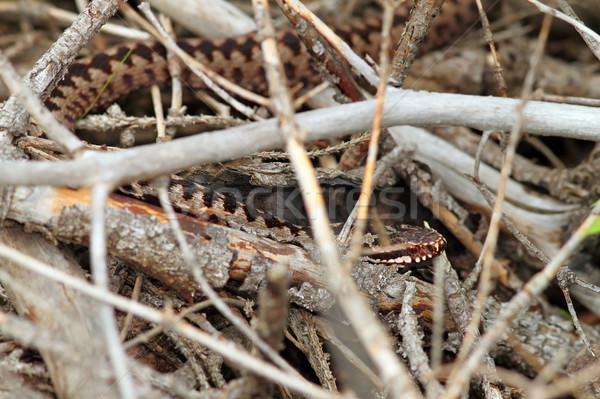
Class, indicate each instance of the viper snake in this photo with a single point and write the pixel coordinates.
(240, 60)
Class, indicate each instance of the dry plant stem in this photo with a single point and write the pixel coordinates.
(232, 352)
(543, 149)
(592, 43)
(385, 163)
(328, 61)
(574, 279)
(42, 78)
(591, 38)
(366, 188)
(459, 376)
(369, 330)
(402, 107)
(158, 112)
(145, 337)
(273, 307)
(459, 307)
(44, 12)
(176, 109)
(99, 268)
(564, 276)
(70, 358)
(485, 136)
(122, 122)
(529, 246)
(303, 326)
(416, 28)
(437, 335)
(489, 39)
(566, 385)
(193, 265)
(563, 284)
(67, 141)
(305, 97)
(489, 247)
(135, 295)
(338, 44)
(212, 80)
(331, 149)
(412, 343)
(532, 288)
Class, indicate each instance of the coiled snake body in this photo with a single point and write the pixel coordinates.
(239, 59)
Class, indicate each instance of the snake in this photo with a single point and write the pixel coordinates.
(409, 245)
(133, 66)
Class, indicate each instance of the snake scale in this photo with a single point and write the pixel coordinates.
(240, 60)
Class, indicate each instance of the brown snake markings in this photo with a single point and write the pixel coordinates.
(239, 59)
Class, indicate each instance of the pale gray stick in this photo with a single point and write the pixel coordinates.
(403, 107)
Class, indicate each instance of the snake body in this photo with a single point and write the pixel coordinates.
(239, 59)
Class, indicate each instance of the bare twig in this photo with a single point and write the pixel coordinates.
(273, 306)
(366, 188)
(414, 33)
(489, 39)
(412, 342)
(329, 63)
(401, 108)
(100, 276)
(234, 353)
(158, 113)
(336, 42)
(192, 264)
(591, 38)
(42, 78)
(492, 237)
(57, 132)
(135, 295)
(209, 77)
(533, 287)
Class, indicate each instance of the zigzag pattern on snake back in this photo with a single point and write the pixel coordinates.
(240, 60)
(409, 244)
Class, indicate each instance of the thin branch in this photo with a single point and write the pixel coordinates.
(412, 342)
(193, 265)
(209, 77)
(357, 62)
(49, 69)
(366, 188)
(414, 33)
(510, 310)
(490, 243)
(106, 314)
(591, 38)
(234, 353)
(402, 107)
(53, 129)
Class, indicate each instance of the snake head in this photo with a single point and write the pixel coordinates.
(408, 245)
